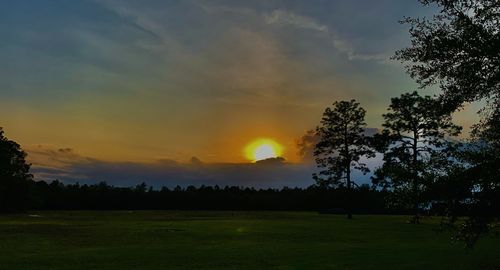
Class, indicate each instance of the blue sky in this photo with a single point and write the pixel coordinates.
(146, 81)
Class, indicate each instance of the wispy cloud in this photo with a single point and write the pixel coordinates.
(221, 9)
(284, 18)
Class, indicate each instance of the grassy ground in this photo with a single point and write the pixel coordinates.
(231, 240)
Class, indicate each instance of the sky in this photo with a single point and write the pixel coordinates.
(171, 92)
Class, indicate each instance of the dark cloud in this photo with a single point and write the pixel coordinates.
(271, 161)
(269, 173)
(307, 142)
(195, 161)
(65, 150)
(69, 167)
(371, 131)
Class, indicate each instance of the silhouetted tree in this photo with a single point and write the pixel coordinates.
(14, 175)
(413, 137)
(458, 50)
(479, 176)
(341, 146)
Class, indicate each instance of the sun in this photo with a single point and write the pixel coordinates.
(263, 148)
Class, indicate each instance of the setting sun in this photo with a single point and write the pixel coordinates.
(262, 149)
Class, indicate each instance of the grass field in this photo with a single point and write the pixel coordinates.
(231, 240)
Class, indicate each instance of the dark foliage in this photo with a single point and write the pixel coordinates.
(458, 49)
(413, 140)
(14, 176)
(57, 196)
(480, 187)
(341, 145)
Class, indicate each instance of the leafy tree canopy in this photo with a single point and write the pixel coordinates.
(14, 176)
(341, 144)
(12, 160)
(458, 49)
(415, 134)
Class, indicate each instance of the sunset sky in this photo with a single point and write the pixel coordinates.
(173, 91)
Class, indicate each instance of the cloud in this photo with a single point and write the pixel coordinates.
(66, 165)
(307, 142)
(271, 161)
(50, 157)
(220, 9)
(196, 161)
(69, 167)
(282, 17)
(370, 131)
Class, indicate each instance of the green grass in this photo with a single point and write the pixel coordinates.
(231, 240)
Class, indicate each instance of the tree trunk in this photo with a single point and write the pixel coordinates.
(415, 219)
(348, 172)
(348, 177)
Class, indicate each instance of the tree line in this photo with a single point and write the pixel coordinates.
(56, 195)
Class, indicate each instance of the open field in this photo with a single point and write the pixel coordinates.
(231, 240)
